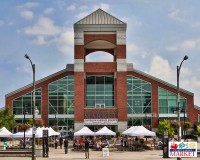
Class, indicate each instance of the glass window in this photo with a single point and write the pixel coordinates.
(168, 102)
(26, 101)
(61, 96)
(138, 95)
(99, 90)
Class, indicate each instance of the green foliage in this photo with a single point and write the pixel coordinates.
(165, 126)
(7, 119)
(198, 129)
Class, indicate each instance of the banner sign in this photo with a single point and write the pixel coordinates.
(182, 149)
(100, 121)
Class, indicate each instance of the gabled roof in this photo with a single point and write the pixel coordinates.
(99, 17)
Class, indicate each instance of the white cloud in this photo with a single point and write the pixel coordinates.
(99, 57)
(44, 26)
(29, 5)
(84, 7)
(102, 6)
(185, 45)
(160, 68)
(86, 12)
(71, 7)
(176, 14)
(27, 14)
(134, 49)
(65, 41)
(1, 23)
(195, 83)
(49, 10)
(40, 40)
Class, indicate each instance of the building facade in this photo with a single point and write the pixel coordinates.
(96, 94)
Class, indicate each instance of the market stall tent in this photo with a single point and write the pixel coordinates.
(85, 131)
(4, 132)
(139, 131)
(105, 131)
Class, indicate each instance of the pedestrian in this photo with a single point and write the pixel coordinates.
(61, 142)
(56, 143)
(66, 145)
(87, 146)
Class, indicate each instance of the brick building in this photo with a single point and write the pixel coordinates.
(95, 94)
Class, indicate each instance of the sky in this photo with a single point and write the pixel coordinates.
(159, 35)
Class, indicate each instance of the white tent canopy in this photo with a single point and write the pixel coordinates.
(85, 131)
(52, 132)
(4, 132)
(139, 131)
(105, 131)
(39, 133)
(29, 133)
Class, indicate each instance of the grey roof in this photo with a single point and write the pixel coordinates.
(100, 17)
(69, 67)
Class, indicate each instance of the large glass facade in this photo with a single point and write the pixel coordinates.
(61, 96)
(24, 103)
(138, 101)
(168, 102)
(62, 123)
(99, 91)
(138, 96)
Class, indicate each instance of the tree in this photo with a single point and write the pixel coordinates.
(7, 119)
(165, 126)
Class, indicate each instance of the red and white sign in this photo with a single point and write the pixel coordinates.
(182, 149)
(100, 121)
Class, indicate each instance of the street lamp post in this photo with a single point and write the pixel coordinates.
(24, 129)
(178, 99)
(33, 107)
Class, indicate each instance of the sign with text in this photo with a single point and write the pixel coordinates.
(182, 149)
(100, 121)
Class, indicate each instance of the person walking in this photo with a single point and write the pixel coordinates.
(66, 145)
(56, 143)
(87, 146)
(61, 142)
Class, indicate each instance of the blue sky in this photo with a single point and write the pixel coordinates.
(159, 35)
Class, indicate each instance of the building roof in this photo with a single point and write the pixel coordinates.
(100, 17)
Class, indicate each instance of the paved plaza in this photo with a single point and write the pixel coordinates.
(58, 154)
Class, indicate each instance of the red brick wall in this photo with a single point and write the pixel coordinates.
(100, 67)
(79, 52)
(79, 96)
(121, 51)
(121, 96)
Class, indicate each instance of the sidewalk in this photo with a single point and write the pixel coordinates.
(58, 154)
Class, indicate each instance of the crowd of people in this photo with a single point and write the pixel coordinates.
(96, 142)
